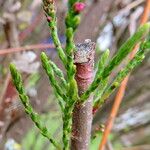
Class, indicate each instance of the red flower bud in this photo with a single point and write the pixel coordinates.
(94, 110)
(78, 7)
(49, 19)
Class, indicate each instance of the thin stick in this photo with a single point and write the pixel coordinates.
(82, 114)
(121, 91)
(131, 6)
(25, 48)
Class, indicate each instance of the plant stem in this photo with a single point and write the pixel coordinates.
(67, 125)
(17, 80)
(50, 72)
(82, 113)
(124, 50)
(138, 58)
(50, 12)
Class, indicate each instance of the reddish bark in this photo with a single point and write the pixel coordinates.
(82, 115)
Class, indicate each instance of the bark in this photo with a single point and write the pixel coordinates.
(10, 29)
(11, 33)
(92, 19)
(82, 115)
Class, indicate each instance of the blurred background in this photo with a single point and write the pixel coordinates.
(24, 33)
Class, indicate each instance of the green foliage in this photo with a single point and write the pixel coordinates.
(125, 49)
(66, 90)
(28, 108)
(58, 73)
(99, 91)
(50, 72)
(35, 141)
(102, 63)
(50, 13)
(33, 79)
(140, 55)
(95, 140)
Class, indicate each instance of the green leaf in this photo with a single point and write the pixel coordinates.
(102, 63)
(126, 48)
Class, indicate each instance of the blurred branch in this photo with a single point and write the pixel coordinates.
(10, 29)
(109, 145)
(122, 89)
(131, 6)
(17, 80)
(25, 48)
(11, 33)
(140, 147)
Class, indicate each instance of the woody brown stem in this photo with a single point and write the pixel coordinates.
(82, 114)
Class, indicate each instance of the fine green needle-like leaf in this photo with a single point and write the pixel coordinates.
(50, 12)
(50, 72)
(17, 80)
(123, 73)
(125, 49)
(102, 63)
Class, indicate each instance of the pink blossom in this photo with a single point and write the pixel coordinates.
(79, 6)
(49, 19)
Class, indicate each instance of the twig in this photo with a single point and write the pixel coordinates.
(50, 72)
(131, 6)
(138, 58)
(133, 20)
(11, 34)
(50, 12)
(122, 88)
(124, 50)
(25, 48)
(109, 145)
(17, 80)
(82, 114)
